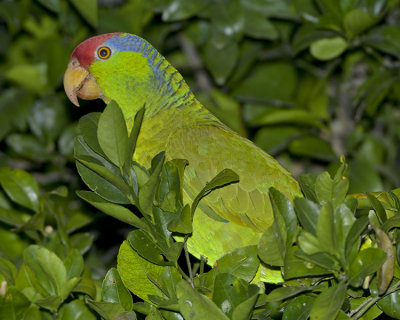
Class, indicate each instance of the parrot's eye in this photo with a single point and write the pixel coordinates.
(104, 52)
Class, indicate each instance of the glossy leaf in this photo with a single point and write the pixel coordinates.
(225, 177)
(307, 213)
(88, 10)
(386, 271)
(76, 310)
(112, 134)
(298, 308)
(367, 262)
(195, 306)
(229, 292)
(114, 210)
(328, 48)
(242, 263)
(21, 187)
(113, 290)
(88, 125)
(327, 305)
(138, 275)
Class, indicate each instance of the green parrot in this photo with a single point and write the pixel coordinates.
(126, 68)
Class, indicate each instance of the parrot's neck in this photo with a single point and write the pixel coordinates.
(158, 86)
(143, 77)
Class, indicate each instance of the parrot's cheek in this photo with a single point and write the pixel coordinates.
(78, 82)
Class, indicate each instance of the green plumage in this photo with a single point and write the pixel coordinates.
(177, 123)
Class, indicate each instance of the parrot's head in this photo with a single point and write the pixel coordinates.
(113, 66)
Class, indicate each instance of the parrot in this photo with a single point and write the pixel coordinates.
(127, 69)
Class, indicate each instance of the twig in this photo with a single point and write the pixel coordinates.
(189, 265)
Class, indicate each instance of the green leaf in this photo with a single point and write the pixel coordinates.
(319, 258)
(283, 293)
(180, 9)
(94, 181)
(144, 244)
(32, 77)
(344, 220)
(392, 222)
(331, 190)
(21, 187)
(113, 134)
(270, 81)
(283, 207)
(183, 222)
(307, 34)
(53, 5)
(148, 190)
(77, 221)
(50, 275)
(376, 204)
(74, 264)
(113, 290)
(88, 10)
(386, 271)
(221, 61)
(8, 270)
(385, 38)
(169, 193)
(241, 262)
(108, 175)
(133, 136)
(309, 243)
(258, 26)
(114, 210)
(225, 177)
(361, 182)
(298, 308)
(244, 310)
(372, 313)
(13, 305)
(307, 212)
(271, 248)
(328, 303)
(390, 304)
(195, 306)
(354, 234)
(88, 125)
(277, 138)
(367, 262)
(326, 234)
(13, 217)
(288, 116)
(328, 48)
(169, 279)
(82, 241)
(307, 185)
(373, 91)
(312, 147)
(47, 118)
(76, 310)
(229, 292)
(356, 21)
(107, 310)
(295, 267)
(138, 275)
(88, 287)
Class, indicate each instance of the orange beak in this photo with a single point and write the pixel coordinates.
(78, 82)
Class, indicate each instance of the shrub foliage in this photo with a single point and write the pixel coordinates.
(308, 81)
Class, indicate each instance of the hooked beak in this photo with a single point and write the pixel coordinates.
(78, 82)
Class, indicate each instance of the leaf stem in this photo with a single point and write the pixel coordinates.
(189, 265)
